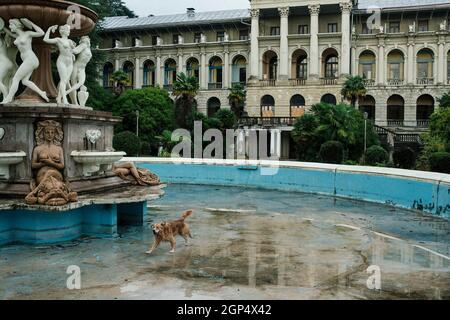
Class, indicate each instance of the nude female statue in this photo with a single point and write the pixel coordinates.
(143, 177)
(7, 61)
(49, 187)
(30, 61)
(78, 78)
(65, 59)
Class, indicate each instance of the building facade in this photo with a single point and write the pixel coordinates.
(291, 54)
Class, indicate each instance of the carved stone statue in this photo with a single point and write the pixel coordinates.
(412, 28)
(65, 60)
(78, 77)
(83, 96)
(143, 177)
(30, 61)
(7, 61)
(443, 26)
(49, 187)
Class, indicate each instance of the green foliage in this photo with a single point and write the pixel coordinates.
(237, 97)
(127, 141)
(376, 155)
(432, 144)
(185, 89)
(332, 152)
(440, 162)
(120, 79)
(440, 124)
(327, 122)
(227, 118)
(444, 101)
(145, 148)
(405, 158)
(354, 89)
(155, 112)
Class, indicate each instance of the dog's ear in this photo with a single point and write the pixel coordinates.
(163, 223)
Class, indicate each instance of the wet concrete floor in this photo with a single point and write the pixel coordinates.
(248, 244)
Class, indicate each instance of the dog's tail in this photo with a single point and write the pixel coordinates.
(187, 214)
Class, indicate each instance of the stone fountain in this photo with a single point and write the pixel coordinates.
(59, 174)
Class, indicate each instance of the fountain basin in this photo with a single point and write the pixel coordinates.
(96, 163)
(8, 159)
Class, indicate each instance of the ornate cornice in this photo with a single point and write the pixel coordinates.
(254, 13)
(314, 9)
(284, 12)
(346, 7)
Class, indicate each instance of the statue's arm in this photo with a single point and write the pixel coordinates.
(47, 35)
(61, 156)
(35, 164)
(38, 32)
(79, 49)
(9, 33)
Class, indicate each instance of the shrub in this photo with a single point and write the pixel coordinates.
(440, 162)
(145, 148)
(127, 141)
(376, 155)
(226, 117)
(332, 152)
(405, 158)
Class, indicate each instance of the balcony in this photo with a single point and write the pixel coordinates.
(168, 87)
(423, 123)
(267, 121)
(395, 82)
(329, 81)
(214, 85)
(267, 83)
(425, 81)
(297, 82)
(242, 84)
(369, 82)
(395, 123)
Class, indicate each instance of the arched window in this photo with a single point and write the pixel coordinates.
(367, 105)
(297, 106)
(367, 66)
(267, 106)
(170, 72)
(128, 68)
(395, 61)
(329, 98)
(270, 65)
(425, 108)
(149, 74)
(239, 70)
(213, 106)
(395, 110)
(330, 60)
(108, 70)
(425, 65)
(193, 68)
(300, 64)
(215, 73)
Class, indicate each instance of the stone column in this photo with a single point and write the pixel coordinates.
(410, 64)
(284, 44)
(254, 46)
(346, 8)
(137, 73)
(381, 74)
(314, 43)
(381, 113)
(226, 69)
(159, 71)
(355, 62)
(180, 63)
(116, 64)
(441, 70)
(203, 71)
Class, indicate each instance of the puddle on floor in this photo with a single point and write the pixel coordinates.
(248, 244)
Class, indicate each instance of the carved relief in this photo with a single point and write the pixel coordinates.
(314, 9)
(48, 186)
(346, 7)
(284, 12)
(254, 13)
(93, 135)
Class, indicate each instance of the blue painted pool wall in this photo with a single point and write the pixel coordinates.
(430, 197)
(132, 214)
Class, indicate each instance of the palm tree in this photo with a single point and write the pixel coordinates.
(120, 79)
(237, 98)
(354, 89)
(185, 90)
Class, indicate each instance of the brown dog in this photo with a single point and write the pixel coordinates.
(167, 231)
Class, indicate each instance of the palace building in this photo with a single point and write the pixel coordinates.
(292, 54)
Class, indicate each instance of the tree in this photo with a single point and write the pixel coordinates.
(354, 89)
(155, 113)
(237, 98)
(120, 79)
(444, 101)
(185, 90)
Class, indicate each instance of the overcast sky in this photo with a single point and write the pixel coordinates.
(144, 8)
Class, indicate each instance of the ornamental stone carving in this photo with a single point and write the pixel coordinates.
(284, 12)
(314, 9)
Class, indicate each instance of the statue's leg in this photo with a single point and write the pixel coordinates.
(20, 74)
(30, 84)
(3, 89)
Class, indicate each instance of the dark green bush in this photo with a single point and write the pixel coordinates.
(405, 158)
(145, 148)
(440, 162)
(376, 155)
(226, 117)
(332, 152)
(127, 141)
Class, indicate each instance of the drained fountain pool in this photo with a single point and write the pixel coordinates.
(248, 244)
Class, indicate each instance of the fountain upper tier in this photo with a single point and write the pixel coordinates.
(47, 13)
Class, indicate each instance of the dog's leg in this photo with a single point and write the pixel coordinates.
(173, 244)
(155, 245)
(186, 239)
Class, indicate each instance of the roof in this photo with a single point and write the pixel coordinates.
(388, 4)
(122, 23)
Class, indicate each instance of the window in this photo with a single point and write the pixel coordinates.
(302, 68)
(154, 40)
(243, 34)
(394, 27)
(331, 67)
(422, 69)
(274, 31)
(367, 71)
(394, 71)
(422, 25)
(303, 29)
(220, 36)
(197, 37)
(175, 38)
(332, 27)
(366, 29)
